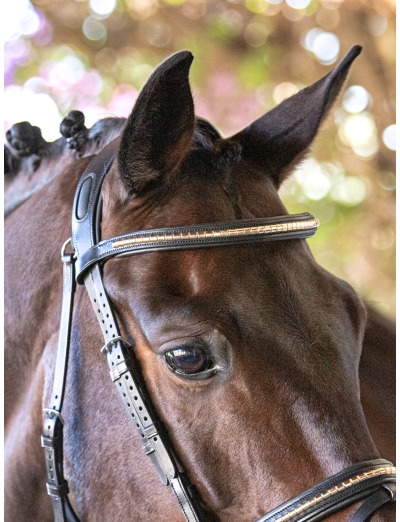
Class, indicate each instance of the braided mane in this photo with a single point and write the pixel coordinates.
(30, 162)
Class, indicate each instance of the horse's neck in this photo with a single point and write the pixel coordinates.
(20, 186)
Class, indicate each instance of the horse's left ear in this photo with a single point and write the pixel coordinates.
(159, 130)
(278, 140)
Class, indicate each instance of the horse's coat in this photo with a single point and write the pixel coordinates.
(283, 410)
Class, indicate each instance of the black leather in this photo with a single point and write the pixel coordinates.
(52, 438)
(87, 213)
(104, 250)
(86, 218)
(374, 502)
(84, 226)
(337, 501)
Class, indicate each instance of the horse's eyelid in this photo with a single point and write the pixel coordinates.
(206, 374)
(187, 344)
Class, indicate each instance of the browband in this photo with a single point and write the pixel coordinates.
(88, 202)
(198, 236)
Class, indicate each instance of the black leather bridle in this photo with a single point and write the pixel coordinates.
(372, 480)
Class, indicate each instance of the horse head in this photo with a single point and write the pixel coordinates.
(249, 353)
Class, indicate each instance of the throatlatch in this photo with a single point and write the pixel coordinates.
(374, 480)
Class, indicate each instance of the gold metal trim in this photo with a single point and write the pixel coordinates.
(386, 470)
(183, 236)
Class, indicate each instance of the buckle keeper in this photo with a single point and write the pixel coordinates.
(50, 442)
(119, 370)
(58, 491)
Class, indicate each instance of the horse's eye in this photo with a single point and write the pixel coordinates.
(189, 359)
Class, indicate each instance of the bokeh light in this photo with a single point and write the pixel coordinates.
(350, 191)
(377, 24)
(383, 238)
(325, 45)
(102, 7)
(387, 180)
(313, 180)
(360, 133)
(356, 99)
(389, 137)
(20, 19)
(298, 4)
(67, 71)
(93, 29)
(142, 9)
(284, 90)
(328, 181)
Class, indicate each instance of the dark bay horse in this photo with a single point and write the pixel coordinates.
(250, 353)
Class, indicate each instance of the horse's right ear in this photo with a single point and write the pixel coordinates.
(278, 140)
(159, 130)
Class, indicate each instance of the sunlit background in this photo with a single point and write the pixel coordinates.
(249, 55)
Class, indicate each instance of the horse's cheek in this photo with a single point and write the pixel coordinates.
(23, 450)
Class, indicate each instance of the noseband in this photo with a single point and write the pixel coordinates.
(372, 480)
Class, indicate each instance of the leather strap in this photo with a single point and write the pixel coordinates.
(86, 210)
(294, 226)
(52, 438)
(336, 493)
(132, 390)
(374, 502)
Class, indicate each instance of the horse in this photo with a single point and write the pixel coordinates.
(242, 348)
(377, 365)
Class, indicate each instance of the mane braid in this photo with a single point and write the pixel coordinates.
(24, 176)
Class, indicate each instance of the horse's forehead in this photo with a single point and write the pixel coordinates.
(270, 290)
(225, 285)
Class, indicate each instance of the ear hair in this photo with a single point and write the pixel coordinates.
(159, 131)
(280, 138)
(216, 161)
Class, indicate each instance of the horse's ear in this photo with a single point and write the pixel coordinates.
(159, 130)
(278, 140)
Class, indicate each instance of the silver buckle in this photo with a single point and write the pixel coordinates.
(55, 413)
(107, 348)
(63, 248)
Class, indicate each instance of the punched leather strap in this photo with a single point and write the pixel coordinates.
(120, 356)
(52, 438)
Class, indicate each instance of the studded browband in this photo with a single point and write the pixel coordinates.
(373, 480)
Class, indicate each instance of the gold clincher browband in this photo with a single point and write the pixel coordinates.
(293, 226)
